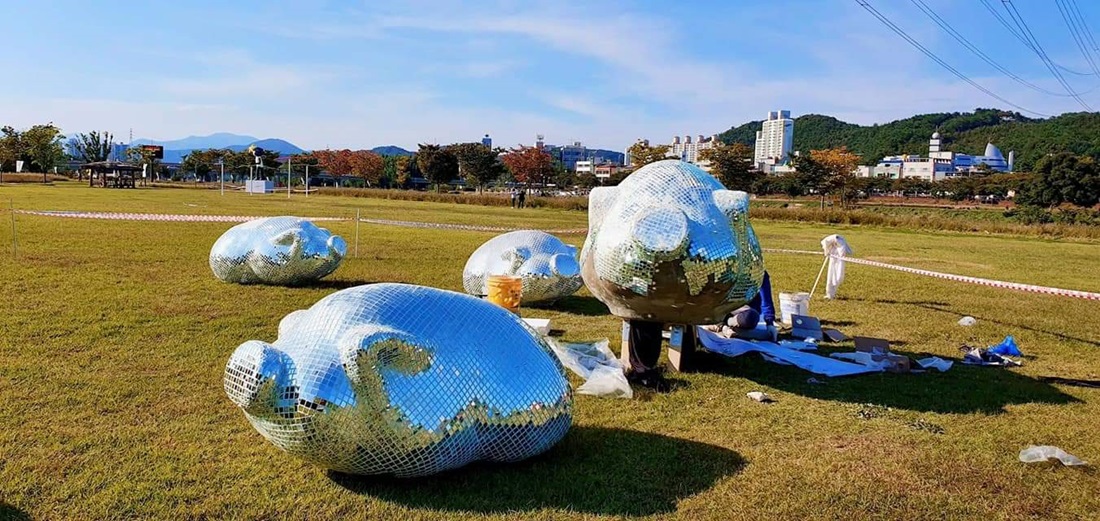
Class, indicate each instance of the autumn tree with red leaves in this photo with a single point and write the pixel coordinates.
(363, 164)
(529, 164)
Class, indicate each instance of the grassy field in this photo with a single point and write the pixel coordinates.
(114, 336)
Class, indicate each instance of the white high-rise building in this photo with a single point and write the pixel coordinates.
(688, 150)
(775, 139)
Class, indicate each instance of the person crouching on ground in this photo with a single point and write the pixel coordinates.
(746, 318)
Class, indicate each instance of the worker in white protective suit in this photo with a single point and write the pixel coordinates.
(835, 249)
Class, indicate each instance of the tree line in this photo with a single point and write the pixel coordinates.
(40, 148)
(1057, 180)
(963, 132)
(439, 165)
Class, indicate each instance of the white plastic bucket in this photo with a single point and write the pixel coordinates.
(793, 304)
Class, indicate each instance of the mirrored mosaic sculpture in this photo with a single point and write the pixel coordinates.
(671, 244)
(282, 251)
(403, 380)
(547, 266)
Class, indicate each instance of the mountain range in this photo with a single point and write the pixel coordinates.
(176, 149)
(964, 132)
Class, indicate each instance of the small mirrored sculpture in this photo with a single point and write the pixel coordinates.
(283, 251)
(671, 244)
(548, 266)
(403, 380)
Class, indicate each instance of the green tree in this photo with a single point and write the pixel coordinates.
(562, 177)
(238, 163)
(477, 164)
(203, 162)
(810, 175)
(91, 147)
(439, 165)
(144, 157)
(45, 146)
(642, 154)
(1063, 178)
(732, 165)
(12, 148)
(389, 171)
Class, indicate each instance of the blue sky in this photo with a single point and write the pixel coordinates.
(362, 74)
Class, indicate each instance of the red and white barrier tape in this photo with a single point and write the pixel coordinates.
(1030, 288)
(463, 227)
(1087, 295)
(114, 216)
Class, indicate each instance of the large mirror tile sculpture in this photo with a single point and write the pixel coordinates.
(283, 251)
(547, 266)
(671, 244)
(404, 380)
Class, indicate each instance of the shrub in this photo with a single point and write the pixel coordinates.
(483, 199)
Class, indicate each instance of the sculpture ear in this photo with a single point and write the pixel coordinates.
(599, 201)
(565, 265)
(733, 203)
(255, 374)
(338, 245)
(660, 230)
(366, 351)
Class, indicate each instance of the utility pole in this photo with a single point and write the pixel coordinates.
(221, 163)
(288, 177)
(307, 179)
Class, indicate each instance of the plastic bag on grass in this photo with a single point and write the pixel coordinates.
(1038, 453)
(1007, 347)
(601, 370)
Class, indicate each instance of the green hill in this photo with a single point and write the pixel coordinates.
(965, 132)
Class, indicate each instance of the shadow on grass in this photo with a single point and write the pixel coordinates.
(574, 305)
(337, 284)
(1025, 327)
(961, 390)
(837, 323)
(600, 471)
(10, 513)
(944, 307)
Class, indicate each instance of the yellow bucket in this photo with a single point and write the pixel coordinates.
(505, 291)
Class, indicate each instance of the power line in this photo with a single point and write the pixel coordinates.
(978, 52)
(992, 10)
(1077, 34)
(1038, 48)
(886, 21)
(1081, 20)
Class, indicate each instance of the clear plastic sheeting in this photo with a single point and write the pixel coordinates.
(601, 370)
(935, 362)
(403, 380)
(1040, 453)
(775, 353)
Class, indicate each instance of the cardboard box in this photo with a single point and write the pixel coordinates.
(880, 352)
(897, 363)
(872, 345)
(803, 327)
(834, 335)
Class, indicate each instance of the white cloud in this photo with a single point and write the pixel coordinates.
(653, 82)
